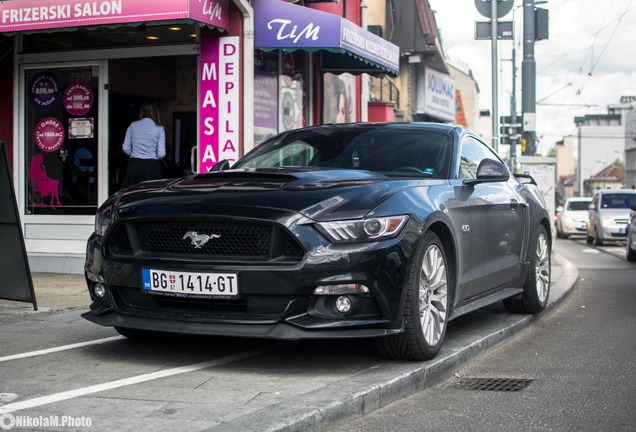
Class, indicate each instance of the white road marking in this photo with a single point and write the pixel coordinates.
(590, 251)
(59, 348)
(71, 394)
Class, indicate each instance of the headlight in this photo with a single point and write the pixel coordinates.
(362, 229)
(607, 221)
(569, 220)
(103, 219)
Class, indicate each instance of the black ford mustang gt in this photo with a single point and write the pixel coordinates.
(382, 230)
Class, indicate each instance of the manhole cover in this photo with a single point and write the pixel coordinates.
(493, 384)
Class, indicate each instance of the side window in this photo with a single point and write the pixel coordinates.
(472, 153)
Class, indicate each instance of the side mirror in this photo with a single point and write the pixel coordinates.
(221, 165)
(559, 209)
(490, 170)
(591, 207)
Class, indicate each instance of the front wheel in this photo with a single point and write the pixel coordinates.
(598, 241)
(630, 254)
(429, 293)
(536, 288)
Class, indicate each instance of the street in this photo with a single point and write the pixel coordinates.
(580, 360)
(56, 367)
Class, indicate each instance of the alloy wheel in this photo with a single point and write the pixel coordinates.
(542, 267)
(433, 295)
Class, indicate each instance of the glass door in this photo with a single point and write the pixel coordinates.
(61, 106)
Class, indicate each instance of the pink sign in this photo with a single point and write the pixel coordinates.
(49, 134)
(29, 15)
(78, 98)
(219, 99)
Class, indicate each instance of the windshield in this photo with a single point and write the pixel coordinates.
(618, 200)
(389, 150)
(579, 205)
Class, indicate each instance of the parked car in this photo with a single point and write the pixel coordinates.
(630, 244)
(608, 215)
(385, 231)
(572, 217)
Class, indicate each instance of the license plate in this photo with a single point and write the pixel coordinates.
(188, 283)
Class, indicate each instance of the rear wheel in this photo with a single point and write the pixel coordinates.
(429, 293)
(537, 286)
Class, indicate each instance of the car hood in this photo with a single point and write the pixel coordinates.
(318, 194)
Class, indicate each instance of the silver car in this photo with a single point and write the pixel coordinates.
(572, 217)
(608, 215)
(630, 246)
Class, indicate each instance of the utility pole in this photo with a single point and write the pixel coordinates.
(495, 83)
(494, 9)
(528, 78)
(535, 27)
(513, 111)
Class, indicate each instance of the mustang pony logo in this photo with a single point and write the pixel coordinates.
(198, 240)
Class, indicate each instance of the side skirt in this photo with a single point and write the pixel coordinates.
(485, 301)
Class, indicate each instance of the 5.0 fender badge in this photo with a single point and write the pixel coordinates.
(198, 240)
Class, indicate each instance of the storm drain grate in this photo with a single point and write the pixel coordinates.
(494, 384)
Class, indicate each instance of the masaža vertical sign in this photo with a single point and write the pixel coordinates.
(219, 101)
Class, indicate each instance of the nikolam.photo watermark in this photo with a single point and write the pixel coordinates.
(11, 421)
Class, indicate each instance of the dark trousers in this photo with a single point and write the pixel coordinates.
(139, 170)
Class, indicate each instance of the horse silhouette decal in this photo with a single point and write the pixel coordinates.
(198, 240)
(43, 184)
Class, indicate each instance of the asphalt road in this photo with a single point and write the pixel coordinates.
(580, 360)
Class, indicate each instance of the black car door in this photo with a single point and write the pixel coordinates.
(497, 223)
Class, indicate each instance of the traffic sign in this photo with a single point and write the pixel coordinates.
(484, 7)
(507, 120)
(505, 30)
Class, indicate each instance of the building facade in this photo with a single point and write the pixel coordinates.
(601, 140)
(225, 73)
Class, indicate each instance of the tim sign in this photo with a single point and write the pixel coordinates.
(219, 99)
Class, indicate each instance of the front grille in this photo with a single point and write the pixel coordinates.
(247, 309)
(204, 239)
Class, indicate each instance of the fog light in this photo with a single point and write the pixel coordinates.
(99, 290)
(343, 304)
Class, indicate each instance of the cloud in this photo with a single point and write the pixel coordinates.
(586, 64)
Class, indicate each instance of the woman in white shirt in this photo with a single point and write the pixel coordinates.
(145, 143)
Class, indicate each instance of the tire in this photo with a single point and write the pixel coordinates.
(630, 254)
(597, 238)
(429, 294)
(536, 289)
(147, 335)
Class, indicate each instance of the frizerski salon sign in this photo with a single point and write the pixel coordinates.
(285, 25)
(28, 15)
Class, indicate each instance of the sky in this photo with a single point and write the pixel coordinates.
(588, 62)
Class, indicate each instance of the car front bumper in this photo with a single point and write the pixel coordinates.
(275, 301)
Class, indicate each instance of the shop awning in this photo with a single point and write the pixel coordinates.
(33, 15)
(347, 47)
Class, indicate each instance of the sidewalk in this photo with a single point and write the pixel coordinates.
(53, 291)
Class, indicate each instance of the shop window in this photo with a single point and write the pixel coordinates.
(61, 122)
(339, 96)
(281, 92)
